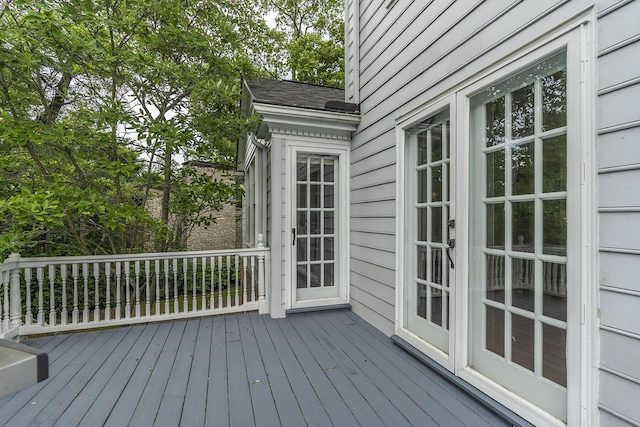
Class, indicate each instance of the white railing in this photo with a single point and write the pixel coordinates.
(554, 275)
(42, 295)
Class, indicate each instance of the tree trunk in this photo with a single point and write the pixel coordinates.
(166, 196)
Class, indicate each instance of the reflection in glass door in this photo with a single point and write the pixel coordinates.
(518, 243)
(427, 294)
(315, 243)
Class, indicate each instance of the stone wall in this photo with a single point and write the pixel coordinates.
(224, 233)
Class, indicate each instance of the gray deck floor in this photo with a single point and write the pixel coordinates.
(325, 368)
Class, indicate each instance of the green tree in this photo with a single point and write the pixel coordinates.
(311, 35)
(97, 98)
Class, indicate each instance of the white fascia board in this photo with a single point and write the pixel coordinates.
(278, 117)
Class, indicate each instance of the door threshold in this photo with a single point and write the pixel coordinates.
(486, 401)
(332, 307)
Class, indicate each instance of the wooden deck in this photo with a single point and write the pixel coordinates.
(324, 368)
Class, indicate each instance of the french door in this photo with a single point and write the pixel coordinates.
(429, 241)
(519, 251)
(503, 307)
(318, 227)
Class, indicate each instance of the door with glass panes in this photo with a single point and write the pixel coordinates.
(519, 251)
(318, 212)
(429, 224)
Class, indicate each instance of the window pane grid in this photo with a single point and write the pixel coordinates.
(316, 217)
(433, 199)
(514, 129)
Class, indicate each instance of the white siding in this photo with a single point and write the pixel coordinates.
(352, 52)
(411, 54)
(618, 125)
(417, 51)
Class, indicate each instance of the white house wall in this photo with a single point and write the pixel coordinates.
(412, 53)
(276, 220)
(618, 127)
(418, 51)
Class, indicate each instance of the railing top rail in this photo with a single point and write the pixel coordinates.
(44, 261)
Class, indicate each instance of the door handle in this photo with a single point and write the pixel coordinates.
(451, 243)
(293, 231)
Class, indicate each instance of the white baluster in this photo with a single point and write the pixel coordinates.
(244, 280)
(166, 286)
(96, 296)
(253, 278)
(194, 264)
(40, 278)
(185, 280)
(127, 282)
(220, 299)
(236, 266)
(52, 295)
(28, 318)
(204, 282)
(212, 298)
(15, 302)
(107, 306)
(228, 281)
(547, 281)
(64, 315)
(176, 307)
(147, 275)
(75, 314)
(85, 278)
(157, 271)
(6, 320)
(118, 292)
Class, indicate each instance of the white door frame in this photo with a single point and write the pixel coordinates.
(577, 38)
(342, 151)
(402, 129)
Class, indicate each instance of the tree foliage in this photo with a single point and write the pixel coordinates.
(310, 35)
(102, 100)
(98, 100)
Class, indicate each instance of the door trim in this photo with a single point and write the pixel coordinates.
(402, 128)
(576, 36)
(342, 151)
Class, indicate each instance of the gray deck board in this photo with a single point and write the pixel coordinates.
(335, 406)
(109, 396)
(398, 397)
(76, 410)
(217, 396)
(313, 413)
(363, 412)
(196, 394)
(129, 397)
(321, 369)
(149, 404)
(262, 402)
(447, 394)
(287, 406)
(240, 413)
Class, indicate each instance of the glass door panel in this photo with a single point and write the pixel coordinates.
(518, 240)
(427, 294)
(315, 242)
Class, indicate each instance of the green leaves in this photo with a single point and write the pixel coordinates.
(99, 102)
(311, 35)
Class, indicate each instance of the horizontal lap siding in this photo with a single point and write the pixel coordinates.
(618, 125)
(411, 54)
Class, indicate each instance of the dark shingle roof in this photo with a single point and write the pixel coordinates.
(293, 94)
